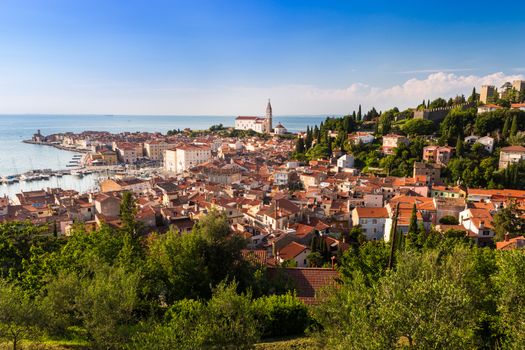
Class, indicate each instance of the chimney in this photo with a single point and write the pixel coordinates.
(481, 224)
(333, 262)
(274, 251)
(507, 237)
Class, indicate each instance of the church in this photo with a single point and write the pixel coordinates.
(258, 124)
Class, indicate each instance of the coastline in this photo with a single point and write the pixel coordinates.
(57, 146)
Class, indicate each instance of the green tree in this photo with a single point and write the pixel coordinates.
(281, 315)
(459, 147)
(514, 126)
(20, 317)
(128, 211)
(424, 303)
(418, 127)
(315, 259)
(226, 321)
(309, 138)
(106, 305)
(412, 226)
(299, 145)
(191, 265)
(508, 220)
(510, 280)
(506, 127)
(448, 220)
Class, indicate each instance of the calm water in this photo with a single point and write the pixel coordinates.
(17, 157)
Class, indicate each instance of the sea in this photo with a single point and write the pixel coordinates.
(17, 157)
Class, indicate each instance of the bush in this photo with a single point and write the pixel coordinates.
(448, 220)
(281, 315)
(226, 321)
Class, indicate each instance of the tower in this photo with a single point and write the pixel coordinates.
(269, 116)
(487, 93)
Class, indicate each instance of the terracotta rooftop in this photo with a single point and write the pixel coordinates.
(307, 281)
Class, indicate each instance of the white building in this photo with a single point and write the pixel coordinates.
(479, 223)
(294, 252)
(155, 149)
(258, 124)
(392, 141)
(281, 178)
(511, 155)
(345, 161)
(487, 142)
(280, 130)
(186, 157)
(189, 156)
(488, 108)
(371, 220)
(170, 160)
(361, 137)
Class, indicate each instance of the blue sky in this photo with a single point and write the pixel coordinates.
(227, 57)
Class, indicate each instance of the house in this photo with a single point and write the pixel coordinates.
(488, 108)
(447, 192)
(186, 157)
(520, 106)
(281, 178)
(511, 155)
(170, 160)
(511, 243)
(128, 152)
(371, 220)
(294, 251)
(280, 214)
(431, 172)
(107, 205)
(487, 142)
(132, 184)
(155, 149)
(437, 154)
(345, 161)
(447, 206)
(479, 223)
(361, 137)
(392, 141)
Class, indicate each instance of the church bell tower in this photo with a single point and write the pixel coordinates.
(269, 116)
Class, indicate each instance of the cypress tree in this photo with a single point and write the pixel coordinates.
(299, 145)
(354, 117)
(459, 147)
(412, 227)
(506, 126)
(473, 97)
(514, 127)
(359, 114)
(309, 138)
(313, 244)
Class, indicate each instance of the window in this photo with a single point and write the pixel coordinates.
(374, 221)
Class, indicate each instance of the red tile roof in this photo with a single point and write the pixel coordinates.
(307, 281)
(364, 212)
(291, 250)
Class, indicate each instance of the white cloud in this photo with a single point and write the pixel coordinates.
(239, 100)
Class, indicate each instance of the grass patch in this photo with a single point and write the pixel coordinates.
(300, 343)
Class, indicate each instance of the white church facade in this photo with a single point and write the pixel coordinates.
(258, 124)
